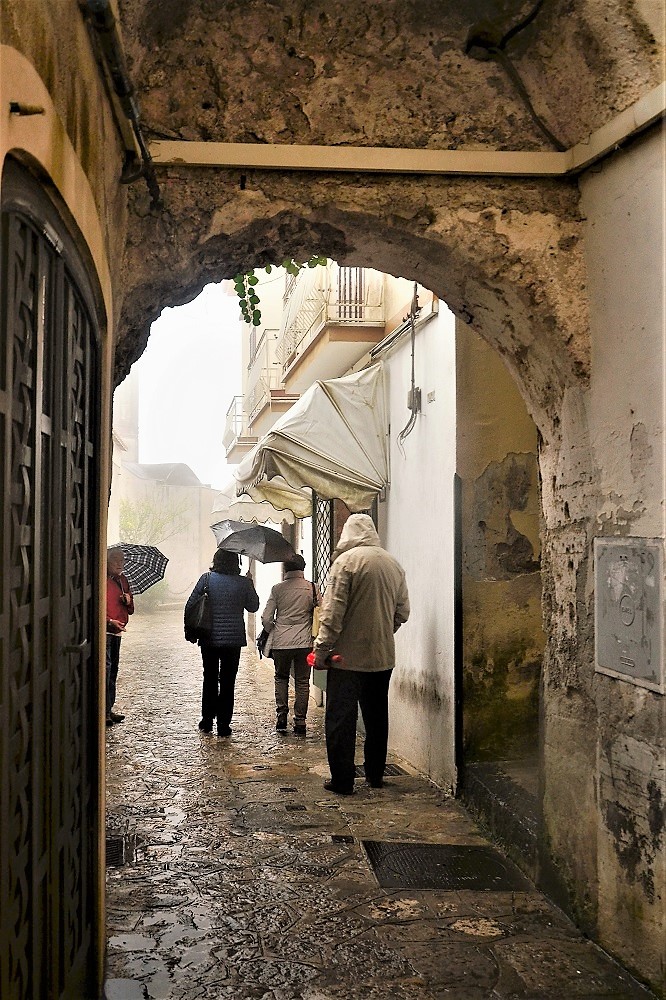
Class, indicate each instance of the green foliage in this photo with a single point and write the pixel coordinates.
(152, 599)
(145, 522)
(245, 285)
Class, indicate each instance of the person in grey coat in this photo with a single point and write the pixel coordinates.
(287, 618)
(230, 596)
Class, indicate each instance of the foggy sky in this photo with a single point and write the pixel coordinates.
(188, 374)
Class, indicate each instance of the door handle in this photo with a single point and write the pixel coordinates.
(75, 649)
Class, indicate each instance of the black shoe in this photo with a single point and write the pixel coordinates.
(375, 784)
(116, 717)
(330, 787)
(300, 731)
(281, 724)
(223, 731)
(206, 725)
(109, 720)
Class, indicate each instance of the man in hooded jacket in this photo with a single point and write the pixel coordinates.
(365, 603)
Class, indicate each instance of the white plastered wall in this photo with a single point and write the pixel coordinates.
(416, 525)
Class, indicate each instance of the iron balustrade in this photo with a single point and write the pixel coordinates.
(322, 297)
(235, 423)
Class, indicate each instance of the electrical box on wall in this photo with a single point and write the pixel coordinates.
(629, 610)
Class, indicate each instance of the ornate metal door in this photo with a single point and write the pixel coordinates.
(49, 694)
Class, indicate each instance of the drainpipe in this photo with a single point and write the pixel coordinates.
(101, 18)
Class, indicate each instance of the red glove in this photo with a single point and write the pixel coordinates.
(329, 661)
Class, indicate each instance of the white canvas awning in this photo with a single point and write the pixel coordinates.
(272, 500)
(334, 440)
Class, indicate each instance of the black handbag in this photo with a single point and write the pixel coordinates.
(199, 618)
(262, 639)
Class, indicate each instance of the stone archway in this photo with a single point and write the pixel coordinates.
(505, 255)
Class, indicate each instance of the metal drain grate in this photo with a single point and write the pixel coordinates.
(341, 838)
(115, 852)
(295, 808)
(442, 866)
(390, 771)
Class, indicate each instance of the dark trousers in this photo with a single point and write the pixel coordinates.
(345, 691)
(220, 666)
(112, 660)
(283, 660)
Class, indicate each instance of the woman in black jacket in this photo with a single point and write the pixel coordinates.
(230, 595)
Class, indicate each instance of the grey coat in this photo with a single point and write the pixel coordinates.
(288, 612)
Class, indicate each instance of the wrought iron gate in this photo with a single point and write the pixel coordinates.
(49, 427)
(322, 536)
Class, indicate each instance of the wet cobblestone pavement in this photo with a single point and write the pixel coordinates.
(243, 879)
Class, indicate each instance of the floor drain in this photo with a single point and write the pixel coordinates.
(287, 788)
(115, 852)
(341, 838)
(390, 771)
(442, 866)
(294, 808)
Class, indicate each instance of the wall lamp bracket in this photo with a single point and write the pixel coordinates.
(25, 110)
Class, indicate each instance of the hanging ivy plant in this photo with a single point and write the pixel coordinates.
(246, 287)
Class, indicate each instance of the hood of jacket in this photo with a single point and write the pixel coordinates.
(359, 529)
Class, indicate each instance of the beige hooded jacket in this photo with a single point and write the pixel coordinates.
(365, 602)
(288, 612)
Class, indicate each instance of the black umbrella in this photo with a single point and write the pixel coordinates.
(255, 541)
(144, 565)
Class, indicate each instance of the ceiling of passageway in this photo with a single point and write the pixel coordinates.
(505, 253)
(388, 72)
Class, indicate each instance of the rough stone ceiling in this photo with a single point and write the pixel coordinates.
(384, 73)
(505, 254)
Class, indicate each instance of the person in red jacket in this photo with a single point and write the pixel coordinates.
(119, 606)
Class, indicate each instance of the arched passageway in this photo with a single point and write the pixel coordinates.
(507, 257)
(561, 277)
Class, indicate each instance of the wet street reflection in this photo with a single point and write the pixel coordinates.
(233, 874)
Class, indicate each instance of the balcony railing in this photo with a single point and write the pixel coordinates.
(320, 297)
(235, 425)
(264, 374)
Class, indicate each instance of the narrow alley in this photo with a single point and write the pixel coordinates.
(232, 874)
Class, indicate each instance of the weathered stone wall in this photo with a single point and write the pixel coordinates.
(54, 38)
(383, 73)
(504, 255)
(604, 739)
(496, 444)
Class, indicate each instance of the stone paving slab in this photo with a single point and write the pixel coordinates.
(235, 888)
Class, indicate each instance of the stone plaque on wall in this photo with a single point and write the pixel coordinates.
(628, 609)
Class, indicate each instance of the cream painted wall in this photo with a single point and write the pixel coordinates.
(416, 525)
(398, 293)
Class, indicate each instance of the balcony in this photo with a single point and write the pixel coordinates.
(265, 398)
(332, 316)
(236, 438)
